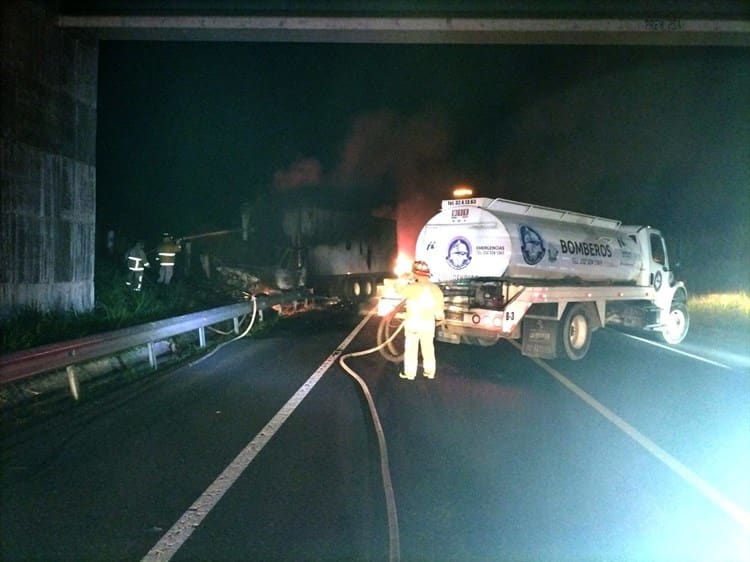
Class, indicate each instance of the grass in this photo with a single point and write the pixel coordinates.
(724, 317)
(721, 306)
(116, 307)
(722, 303)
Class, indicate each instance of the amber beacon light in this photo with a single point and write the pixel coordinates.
(462, 192)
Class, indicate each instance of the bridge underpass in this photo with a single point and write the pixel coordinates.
(517, 408)
(49, 85)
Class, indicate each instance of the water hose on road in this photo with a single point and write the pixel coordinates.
(242, 335)
(393, 534)
(385, 339)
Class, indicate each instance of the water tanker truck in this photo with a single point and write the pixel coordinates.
(546, 277)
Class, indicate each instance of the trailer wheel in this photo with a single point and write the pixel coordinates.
(677, 325)
(356, 290)
(575, 332)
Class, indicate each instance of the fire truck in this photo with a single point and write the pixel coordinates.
(547, 277)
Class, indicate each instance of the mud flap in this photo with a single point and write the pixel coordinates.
(540, 338)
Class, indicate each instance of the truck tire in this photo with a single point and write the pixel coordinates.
(677, 325)
(358, 289)
(367, 287)
(575, 332)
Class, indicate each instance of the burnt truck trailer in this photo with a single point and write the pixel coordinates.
(339, 253)
(548, 277)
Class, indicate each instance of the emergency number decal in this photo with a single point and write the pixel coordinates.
(490, 250)
(454, 202)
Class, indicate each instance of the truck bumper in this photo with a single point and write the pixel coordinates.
(461, 333)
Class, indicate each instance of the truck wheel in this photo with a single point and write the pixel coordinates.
(356, 289)
(677, 325)
(575, 333)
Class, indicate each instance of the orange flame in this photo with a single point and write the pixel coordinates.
(403, 264)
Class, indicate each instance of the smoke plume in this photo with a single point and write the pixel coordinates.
(393, 161)
(301, 173)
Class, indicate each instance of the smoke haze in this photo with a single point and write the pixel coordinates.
(645, 135)
(642, 142)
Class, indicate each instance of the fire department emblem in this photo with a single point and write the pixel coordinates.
(532, 245)
(459, 253)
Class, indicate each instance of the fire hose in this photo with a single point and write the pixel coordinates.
(242, 335)
(385, 335)
(393, 533)
(384, 331)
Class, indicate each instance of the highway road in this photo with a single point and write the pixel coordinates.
(266, 451)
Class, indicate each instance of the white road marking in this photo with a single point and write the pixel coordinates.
(173, 539)
(675, 350)
(709, 491)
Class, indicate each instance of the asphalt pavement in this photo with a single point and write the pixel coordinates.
(635, 453)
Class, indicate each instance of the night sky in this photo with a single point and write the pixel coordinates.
(187, 132)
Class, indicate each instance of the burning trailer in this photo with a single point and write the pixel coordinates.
(339, 252)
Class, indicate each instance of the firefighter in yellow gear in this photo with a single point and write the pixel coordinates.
(167, 253)
(424, 305)
(137, 261)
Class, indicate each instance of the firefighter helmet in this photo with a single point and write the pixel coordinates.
(420, 267)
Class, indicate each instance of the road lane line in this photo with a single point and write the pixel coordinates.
(709, 491)
(675, 350)
(173, 539)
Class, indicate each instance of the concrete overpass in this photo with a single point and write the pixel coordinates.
(48, 85)
(429, 21)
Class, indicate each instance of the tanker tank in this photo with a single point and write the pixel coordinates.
(501, 239)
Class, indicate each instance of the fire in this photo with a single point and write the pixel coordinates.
(403, 264)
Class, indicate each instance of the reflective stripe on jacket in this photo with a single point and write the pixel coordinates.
(137, 259)
(167, 252)
(135, 263)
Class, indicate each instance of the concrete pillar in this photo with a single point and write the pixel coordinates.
(48, 83)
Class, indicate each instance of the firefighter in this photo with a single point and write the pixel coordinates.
(424, 305)
(167, 251)
(137, 261)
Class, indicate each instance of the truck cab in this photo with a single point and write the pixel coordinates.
(669, 316)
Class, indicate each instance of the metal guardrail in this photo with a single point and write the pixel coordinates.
(59, 356)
